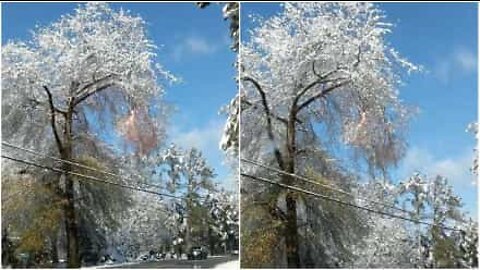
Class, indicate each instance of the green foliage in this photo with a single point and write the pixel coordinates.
(32, 210)
(259, 244)
(44, 225)
(31, 213)
(445, 253)
(199, 223)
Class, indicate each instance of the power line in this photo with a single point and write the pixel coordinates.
(93, 169)
(16, 194)
(321, 196)
(91, 178)
(326, 186)
(75, 164)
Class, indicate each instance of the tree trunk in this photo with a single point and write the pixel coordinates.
(54, 239)
(211, 241)
(54, 251)
(418, 232)
(435, 230)
(229, 242)
(188, 237)
(291, 232)
(73, 256)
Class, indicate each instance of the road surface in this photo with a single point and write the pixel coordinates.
(210, 262)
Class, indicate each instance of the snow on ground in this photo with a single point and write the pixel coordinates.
(111, 265)
(229, 265)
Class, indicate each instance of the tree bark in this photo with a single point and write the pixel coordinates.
(188, 237)
(73, 255)
(418, 234)
(211, 241)
(65, 148)
(291, 233)
(54, 251)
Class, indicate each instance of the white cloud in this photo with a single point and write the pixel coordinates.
(456, 168)
(192, 46)
(199, 45)
(466, 60)
(460, 61)
(205, 138)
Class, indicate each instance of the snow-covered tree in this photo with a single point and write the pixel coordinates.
(467, 244)
(433, 200)
(189, 175)
(473, 128)
(387, 245)
(391, 242)
(230, 137)
(142, 228)
(88, 70)
(321, 65)
(230, 12)
(388, 242)
(177, 225)
(223, 221)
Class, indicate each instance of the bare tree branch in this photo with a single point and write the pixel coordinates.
(88, 94)
(325, 75)
(61, 111)
(304, 90)
(276, 117)
(52, 117)
(322, 94)
(270, 133)
(95, 82)
(359, 54)
(321, 78)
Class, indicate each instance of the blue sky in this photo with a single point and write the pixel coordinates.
(195, 47)
(443, 39)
